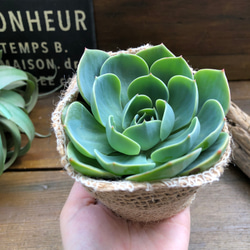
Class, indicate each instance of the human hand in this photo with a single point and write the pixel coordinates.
(87, 224)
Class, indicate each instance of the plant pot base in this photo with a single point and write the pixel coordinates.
(147, 206)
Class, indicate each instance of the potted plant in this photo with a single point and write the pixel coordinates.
(18, 96)
(143, 131)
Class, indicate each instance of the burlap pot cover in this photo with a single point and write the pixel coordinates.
(142, 202)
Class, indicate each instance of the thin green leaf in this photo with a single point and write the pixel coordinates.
(12, 97)
(9, 75)
(4, 111)
(3, 150)
(22, 120)
(31, 93)
(16, 138)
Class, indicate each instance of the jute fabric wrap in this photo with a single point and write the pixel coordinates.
(141, 202)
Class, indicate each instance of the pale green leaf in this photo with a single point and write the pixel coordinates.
(3, 150)
(10, 75)
(177, 146)
(154, 53)
(120, 142)
(208, 157)
(150, 86)
(127, 67)
(166, 114)
(121, 164)
(12, 97)
(136, 104)
(15, 135)
(106, 99)
(84, 165)
(212, 120)
(183, 100)
(31, 93)
(213, 84)
(4, 111)
(88, 68)
(84, 131)
(166, 170)
(22, 120)
(146, 134)
(166, 68)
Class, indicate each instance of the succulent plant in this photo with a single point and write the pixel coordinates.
(18, 96)
(146, 116)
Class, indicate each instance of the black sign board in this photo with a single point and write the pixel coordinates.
(46, 37)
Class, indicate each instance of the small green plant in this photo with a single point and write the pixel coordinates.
(145, 116)
(18, 96)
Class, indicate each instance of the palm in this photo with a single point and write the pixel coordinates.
(87, 225)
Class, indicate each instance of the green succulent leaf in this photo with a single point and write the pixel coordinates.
(126, 67)
(84, 165)
(121, 164)
(10, 75)
(106, 99)
(166, 170)
(183, 100)
(212, 120)
(120, 142)
(213, 84)
(146, 134)
(150, 86)
(208, 157)
(166, 114)
(177, 146)
(64, 113)
(136, 104)
(88, 68)
(144, 117)
(166, 68)
(84, 131)
(154, 53)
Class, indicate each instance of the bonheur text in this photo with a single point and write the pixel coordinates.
(47, 20)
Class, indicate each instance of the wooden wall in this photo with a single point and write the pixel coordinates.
(213, 34)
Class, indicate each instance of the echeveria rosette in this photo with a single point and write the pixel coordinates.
(145, 116)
